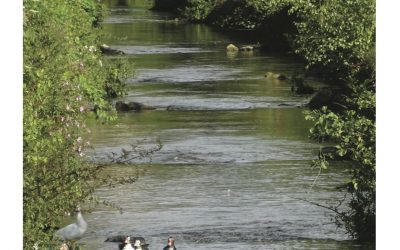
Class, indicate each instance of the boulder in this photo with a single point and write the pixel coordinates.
(246, 48)
(271, 75)
(107, 50)
(131, 106)
(231, 54)
(231, 47)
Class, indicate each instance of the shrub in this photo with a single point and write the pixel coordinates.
(64, 77)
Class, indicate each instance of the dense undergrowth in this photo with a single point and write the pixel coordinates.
(65, 79)
(337, 41)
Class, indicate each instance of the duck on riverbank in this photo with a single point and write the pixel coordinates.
(75, 230)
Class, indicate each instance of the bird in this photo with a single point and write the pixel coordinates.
(128, 245)
(171, 244)
(140, 243)
(75, 230)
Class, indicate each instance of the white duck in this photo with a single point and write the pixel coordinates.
(73, 231)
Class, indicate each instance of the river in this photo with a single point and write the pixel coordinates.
(235, 158)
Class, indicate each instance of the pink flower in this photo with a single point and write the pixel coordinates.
(81, 109)
(79, 139)
(79, 98)
(62, 118)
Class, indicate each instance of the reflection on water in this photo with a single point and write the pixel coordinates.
(236, 158)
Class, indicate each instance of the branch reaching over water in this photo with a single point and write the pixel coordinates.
(331, 208)
(127, 156)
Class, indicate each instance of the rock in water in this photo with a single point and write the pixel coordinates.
(107, 50)
(131, 106)
(270, 75)
(247, 48)
(232, 47)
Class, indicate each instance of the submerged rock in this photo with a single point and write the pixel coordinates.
(131, 106)
(231, 47)
(105, 49)
(286, 105)
(176, 108)
(271, 75)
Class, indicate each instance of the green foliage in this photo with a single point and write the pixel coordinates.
(354, 133)
(197, 10)
(115, 83)
(236, 15)
(64, 77)
(337, 36)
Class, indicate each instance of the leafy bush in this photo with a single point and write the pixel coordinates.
(197, 10)
(336, 36)
(354, 133)
(65, 76)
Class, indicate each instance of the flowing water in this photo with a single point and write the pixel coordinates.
(235, 160)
